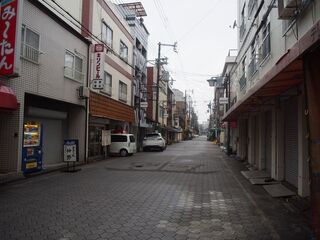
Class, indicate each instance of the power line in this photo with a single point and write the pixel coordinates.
(208, 13)
(86, 30)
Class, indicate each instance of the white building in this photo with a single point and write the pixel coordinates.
(267, 87)
(111, 108)
(53, 69)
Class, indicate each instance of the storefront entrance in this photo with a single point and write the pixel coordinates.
(96, 150)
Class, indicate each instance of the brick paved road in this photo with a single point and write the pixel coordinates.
(189, 191)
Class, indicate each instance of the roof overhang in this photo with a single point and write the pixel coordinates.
(285, 74)
(8, 99)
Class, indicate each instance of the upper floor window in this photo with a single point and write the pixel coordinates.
(122, 91)
(253, 66)
(107, 35)
(73, 66)
(265, 48)
(123, 51)
(107, 83)
(30, 44)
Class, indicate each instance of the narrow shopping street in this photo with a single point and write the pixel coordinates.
(189, 191)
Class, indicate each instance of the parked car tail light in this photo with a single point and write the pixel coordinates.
(159, 138)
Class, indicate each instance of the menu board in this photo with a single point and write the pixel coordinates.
(31, 134)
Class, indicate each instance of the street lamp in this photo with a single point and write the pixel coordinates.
(212, 81)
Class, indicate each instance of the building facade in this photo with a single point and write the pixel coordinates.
(111, 105)
(133, 13)
(269, 88)
(50, 110)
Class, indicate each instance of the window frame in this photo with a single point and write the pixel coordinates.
(104, 24)
(123, 46)
(73, 69)
(24, 45)
(121, 98)
(109, 93)
(266, 39)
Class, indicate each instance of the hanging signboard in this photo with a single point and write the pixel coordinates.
(98, 82)
(144, 104)
(223, 100)
(71, 150)
(9, 36)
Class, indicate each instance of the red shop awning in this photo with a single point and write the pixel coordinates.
(8, 99)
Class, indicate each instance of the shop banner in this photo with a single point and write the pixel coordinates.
(9, 34)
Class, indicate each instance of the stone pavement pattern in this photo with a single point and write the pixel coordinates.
(189, 191)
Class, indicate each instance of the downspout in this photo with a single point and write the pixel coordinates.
(87, 104)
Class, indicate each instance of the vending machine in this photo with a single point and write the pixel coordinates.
(32, 147)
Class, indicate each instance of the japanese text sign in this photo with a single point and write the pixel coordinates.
(99, 61)
(9, 13)
(71, 150)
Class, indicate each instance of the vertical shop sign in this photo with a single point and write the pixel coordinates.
(9, 34)
(71, 150)
(97, 82)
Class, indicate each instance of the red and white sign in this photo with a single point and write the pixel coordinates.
(9, 33)
(97, 82)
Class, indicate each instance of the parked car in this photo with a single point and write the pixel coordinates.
(154, 141)
(123, 144)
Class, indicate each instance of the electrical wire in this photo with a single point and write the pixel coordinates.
(83, 28)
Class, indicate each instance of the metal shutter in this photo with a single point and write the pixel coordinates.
(291, 141)
(256, 140)
(268, 136)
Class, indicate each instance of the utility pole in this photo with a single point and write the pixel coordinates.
(158, 82)
(158, 74)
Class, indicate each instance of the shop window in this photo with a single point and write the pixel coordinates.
(107, 35)
(122, 91)
(123, 51)
(30, 44)
(73, 66)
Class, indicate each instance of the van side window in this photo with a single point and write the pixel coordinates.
(132, 139)
(118, 138)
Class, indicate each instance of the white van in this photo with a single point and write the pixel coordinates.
(123, 144)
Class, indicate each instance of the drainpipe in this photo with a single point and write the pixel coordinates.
(86, 146)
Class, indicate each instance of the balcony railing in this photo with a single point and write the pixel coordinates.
(30, 53)
(243, 82)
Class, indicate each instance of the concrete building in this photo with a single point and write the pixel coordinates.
(53, 71)
(273, 88)
(111, 107)
(133, 13)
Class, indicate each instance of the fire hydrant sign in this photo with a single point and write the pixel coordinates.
(71, 150)
(9, 33)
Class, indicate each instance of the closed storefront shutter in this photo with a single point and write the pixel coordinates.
(268, 135)
(291, 141)
(256, 140)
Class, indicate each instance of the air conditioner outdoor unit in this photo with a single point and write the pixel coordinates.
(288, 8)
(83, 92)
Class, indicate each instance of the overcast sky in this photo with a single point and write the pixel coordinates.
(204, 37)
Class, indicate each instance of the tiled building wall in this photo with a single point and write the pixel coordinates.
(44, 79)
